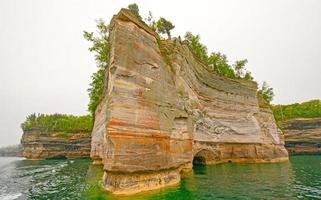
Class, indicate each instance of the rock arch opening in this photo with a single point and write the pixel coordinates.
(58, 157)
(199, 160)
(203, 157)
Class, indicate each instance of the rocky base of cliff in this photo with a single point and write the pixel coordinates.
(215, 153)
(303, 148)
(302, 136)
(138, 182)
(55, 145)
(206, 154)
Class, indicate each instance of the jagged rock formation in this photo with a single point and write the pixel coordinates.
(162, 109)
(302, 135)
(55, 145)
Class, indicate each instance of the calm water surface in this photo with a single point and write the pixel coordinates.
(78, 179)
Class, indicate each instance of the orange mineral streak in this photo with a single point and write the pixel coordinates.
(134, 134)
(117, 123)
(145, 124)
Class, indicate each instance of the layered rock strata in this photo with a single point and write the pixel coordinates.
(302, 135)
(55, 145)
(162, 109)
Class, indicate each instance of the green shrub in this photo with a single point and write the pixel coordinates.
(216, 61)
(100, 47)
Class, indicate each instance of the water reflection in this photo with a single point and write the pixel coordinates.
(79, 179)
(240, 181)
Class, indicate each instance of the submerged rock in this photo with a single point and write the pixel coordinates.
(162, 108)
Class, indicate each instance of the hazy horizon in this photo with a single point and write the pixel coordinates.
(45, 65)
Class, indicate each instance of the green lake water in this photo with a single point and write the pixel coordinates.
(79, 179)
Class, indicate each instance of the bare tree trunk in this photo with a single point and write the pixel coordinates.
(169, 34)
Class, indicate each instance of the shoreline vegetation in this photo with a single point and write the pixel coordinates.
(63, 125)
(71, 123)
(306, 110)
(58, 123)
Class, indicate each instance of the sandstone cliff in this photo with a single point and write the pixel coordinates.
(302, 135)
(162, 109)
(39, 144)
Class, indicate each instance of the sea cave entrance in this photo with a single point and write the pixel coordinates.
(58, 157)
(202, 157)
(199, 160)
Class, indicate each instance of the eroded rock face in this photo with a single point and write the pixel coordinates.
(55, 145)
(162, 108)
(303, 135)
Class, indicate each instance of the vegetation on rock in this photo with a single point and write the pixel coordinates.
(164, 26)
(215, 62)
(58, 122)
(135, 10)
(267, 92)
(309, 109)
(151, 21)
(100, 47)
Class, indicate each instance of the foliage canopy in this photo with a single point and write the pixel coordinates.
(58, 122)
(309, 109)
(134, 9)
(100, 47)
(267, 92)
(216, 61)
(164, 26)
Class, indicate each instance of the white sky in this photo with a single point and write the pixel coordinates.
(45, 66)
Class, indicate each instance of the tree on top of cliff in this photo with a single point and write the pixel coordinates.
(100, 47)
(134, 9)
(164, 26)
(197, 47)
(150, 21)
(217, 62)
(267, 92)
(239, 67)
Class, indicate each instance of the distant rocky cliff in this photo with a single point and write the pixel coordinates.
(39, 144)
(162, 109)
(302, 135)
(11, 151)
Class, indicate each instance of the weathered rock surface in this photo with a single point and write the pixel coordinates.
(302, 135)
(162, 109)
(48, 145)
